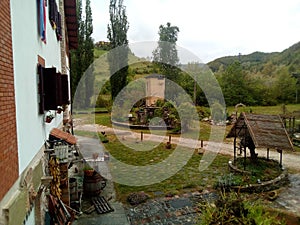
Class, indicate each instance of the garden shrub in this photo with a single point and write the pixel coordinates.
(232, 209)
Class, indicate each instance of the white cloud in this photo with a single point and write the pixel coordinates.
(211, 28)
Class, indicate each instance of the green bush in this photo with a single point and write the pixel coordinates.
(203, 112)
(231, 209)
(103, 102)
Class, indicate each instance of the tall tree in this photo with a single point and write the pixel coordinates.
(285, 86)
(118, 57)
(77, 58)
(234, 85)
(88, 54)
(165, 55)
(83, 56)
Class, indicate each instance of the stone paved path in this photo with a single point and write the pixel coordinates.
(162, 212)
(89, 146)
(289, 198)
(169, 211)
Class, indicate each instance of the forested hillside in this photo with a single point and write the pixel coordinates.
(262, 62)
(260, 78)
(255, 79)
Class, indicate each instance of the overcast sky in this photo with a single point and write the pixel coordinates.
(210, 28)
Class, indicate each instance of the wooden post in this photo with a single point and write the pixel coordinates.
(170, 139)
(234, 149)
(142, 134)
(294, 124)
(284, 122)
(201, 143)
(280, 160)
(268, 153)
(245, 157)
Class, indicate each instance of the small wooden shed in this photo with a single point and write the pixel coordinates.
(261, 131)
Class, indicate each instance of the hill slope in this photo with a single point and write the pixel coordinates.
(258, 61)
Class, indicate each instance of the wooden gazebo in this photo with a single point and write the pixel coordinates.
(260, 131)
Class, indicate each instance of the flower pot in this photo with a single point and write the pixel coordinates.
(59, 110)
(89, 173)
(48, 119)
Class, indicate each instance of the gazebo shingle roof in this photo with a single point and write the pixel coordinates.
(266, 131)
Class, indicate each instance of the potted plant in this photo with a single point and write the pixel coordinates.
(59, 109)
(88, 170)
(49, 117)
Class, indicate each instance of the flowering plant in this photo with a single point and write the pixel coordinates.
(49, 117)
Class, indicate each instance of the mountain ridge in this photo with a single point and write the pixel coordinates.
(257, 61)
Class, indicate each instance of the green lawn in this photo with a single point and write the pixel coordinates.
(272, 110)
(189, 178)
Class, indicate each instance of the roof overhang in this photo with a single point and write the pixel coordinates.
(71, 22)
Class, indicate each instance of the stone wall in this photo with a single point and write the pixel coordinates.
(276, 183)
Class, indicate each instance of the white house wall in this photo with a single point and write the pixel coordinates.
(27, 45)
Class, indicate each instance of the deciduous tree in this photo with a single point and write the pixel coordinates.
(118, 57)
(165, 55)
(82, 57)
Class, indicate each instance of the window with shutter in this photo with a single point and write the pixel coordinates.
(52, 88)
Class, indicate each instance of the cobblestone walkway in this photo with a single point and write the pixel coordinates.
(168, 211)
(289, 198)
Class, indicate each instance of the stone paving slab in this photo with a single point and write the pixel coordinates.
(117, 217)
(168, 211)
(89, 146)
(289, 198)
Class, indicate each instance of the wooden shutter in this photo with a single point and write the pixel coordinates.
(65, 89)
(41, 89)
(58, 90)
(50, 88)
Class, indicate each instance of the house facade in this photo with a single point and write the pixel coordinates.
(36, 37)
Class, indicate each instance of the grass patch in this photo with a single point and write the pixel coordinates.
(189, 178)
(271, 110)
(103, 119)
(83, 133)
(139, 157)
(91, 118)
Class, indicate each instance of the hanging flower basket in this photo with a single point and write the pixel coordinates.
(49, 117)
